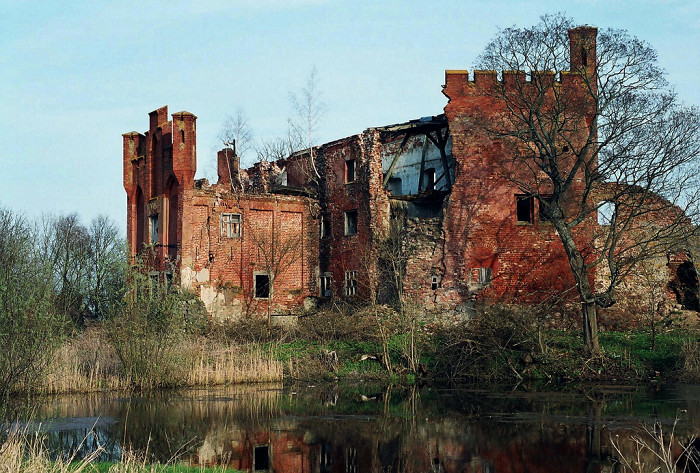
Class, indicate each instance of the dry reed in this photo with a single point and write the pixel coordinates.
(22, 453)
(26, 453)
(216, 364)
(88, 363)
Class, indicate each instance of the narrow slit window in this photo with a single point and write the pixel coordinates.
(153, 228)
(325, 227)
(325, 286)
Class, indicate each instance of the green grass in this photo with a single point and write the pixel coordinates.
(626, 356)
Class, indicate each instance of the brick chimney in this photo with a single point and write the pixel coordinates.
(228, 166)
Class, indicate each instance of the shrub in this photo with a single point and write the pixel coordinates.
(146, 330)
(492, 345)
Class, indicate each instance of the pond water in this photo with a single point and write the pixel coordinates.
(367, 428)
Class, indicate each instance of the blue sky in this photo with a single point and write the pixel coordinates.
(76, 75)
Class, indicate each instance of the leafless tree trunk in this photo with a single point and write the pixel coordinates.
(619, 138)
(308, 110)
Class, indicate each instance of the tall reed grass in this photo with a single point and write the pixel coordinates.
(23, 453)
(88, 363)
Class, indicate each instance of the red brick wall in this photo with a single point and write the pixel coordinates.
(481, 229)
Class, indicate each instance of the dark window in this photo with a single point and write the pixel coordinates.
(524, 207)
(484, 276)
(153, 228)
(350, 283)
(262, 458)
(429, 179)
(262, 286)
(350, 170)
(350, 222)
(325, 286)
(326, 457)
(325, 227)
(546, 209)
(394, 186)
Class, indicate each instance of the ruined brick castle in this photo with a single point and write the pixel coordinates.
(314, 226)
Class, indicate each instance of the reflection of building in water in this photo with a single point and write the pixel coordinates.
(365, 446)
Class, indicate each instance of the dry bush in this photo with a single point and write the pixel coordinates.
(490, 345)
(338, 322)
(246, 330)
(656, 449)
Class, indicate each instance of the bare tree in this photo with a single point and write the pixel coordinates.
(277, 252)
(236, 133)
(107, 268)
(274, 149)
(619, 138)
(308, 109)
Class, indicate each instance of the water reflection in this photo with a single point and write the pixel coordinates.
(362, 428)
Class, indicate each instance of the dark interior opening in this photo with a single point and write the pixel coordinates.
(262, 458)
(262, 286)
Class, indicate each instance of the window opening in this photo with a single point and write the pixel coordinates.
(325, 227)
(351, 283)
(351, 460)
(153, 228)
(326, 458)
(325, 286)
(261, 460)
(484, 276)
(262, 286)
(429, 179)
(606, 213)
(524, 208)
(395, 186)
(231, 225)
(350, 222)
(350, 170)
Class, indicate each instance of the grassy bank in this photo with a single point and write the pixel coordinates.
(497, 347)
